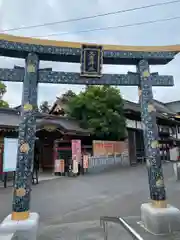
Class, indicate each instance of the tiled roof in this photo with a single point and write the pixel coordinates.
(160, 107)
(162, 111)
(132, 106)
(65, 123)
(11, 118)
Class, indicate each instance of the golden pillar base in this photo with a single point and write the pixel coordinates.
(18, 216)
(159, 204)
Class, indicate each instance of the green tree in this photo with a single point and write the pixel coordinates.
(65, 97)
(44, 107)
(63, 100)
(100, 108)
(3, 104)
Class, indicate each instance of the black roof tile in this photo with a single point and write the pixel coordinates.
(11, 118)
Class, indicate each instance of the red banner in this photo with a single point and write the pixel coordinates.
(76, 150)
(85, 161)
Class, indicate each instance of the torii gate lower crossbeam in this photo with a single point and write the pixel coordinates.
(54, 77)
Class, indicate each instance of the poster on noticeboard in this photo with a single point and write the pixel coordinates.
(10, 154)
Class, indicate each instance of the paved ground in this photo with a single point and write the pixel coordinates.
(72, 207)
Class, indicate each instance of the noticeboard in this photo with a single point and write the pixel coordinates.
(10, 154)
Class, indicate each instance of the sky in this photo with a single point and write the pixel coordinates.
(25, 13)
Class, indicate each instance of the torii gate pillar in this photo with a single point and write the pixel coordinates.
(157, 216)
(21, 222)
(27, 133)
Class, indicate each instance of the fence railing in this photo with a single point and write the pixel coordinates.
(102, 163)
(104, 223)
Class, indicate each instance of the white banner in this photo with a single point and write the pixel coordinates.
(75, 167)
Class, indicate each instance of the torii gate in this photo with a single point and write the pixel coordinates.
(92, 57)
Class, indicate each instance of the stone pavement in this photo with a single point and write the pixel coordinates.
(89, 230)
(83, 223)
(70, 207)
(136, 224)
(42, 177)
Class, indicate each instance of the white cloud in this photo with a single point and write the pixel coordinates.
(24, 13)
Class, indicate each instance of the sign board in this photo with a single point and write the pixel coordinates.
(85, 161)
(98, 148)
(59, 166)
(105, 148)
(174, 153)
(76, 149)
(109, 147)
(139, 125)
(10, 154)
(91, 61)
(130, 123)
(125, 153)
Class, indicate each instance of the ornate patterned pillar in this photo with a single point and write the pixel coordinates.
(27, 131)
(148, 116)
(139, 101)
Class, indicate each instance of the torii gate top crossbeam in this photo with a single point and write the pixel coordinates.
(49, 50)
